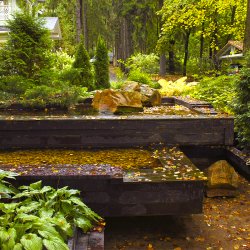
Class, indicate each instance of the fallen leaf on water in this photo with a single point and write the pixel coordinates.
(201, 239)
(150, 247)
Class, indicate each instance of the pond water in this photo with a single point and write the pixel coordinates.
(89, 113)
(134, 165)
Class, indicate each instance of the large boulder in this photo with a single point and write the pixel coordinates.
(222, 180)
(131, 86)
(114, 101)
(150, 97)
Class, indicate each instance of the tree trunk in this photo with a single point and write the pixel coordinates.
(78, 20)
(163, 61)
(171, 57)
(232, 21)
(201, 46)
(163, 65)
(186, 52)
(247, 29)
(85, 25)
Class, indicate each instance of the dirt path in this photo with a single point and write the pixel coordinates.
(224, 225)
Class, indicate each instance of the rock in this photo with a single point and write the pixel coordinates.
(222, 180)
(114, 101)
(131, 86)
(150, 97)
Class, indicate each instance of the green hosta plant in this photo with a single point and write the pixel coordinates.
(41, 217)
(6, 189)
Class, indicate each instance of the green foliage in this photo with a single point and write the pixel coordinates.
(6, 189)
(62, 96)
(177, 88)
(219, 91)
(242, 107)
(61, 60)
(138, 76)
(27, 50)
(41, 217)
(101, 65)
(116, 85)
(15, 84)
(145, 63)
(82, 62)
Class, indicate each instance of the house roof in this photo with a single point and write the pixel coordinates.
(52, 24)
(229, 47)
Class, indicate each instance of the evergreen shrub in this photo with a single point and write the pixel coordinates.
(27, 50)
(101, 65)
(84, 69)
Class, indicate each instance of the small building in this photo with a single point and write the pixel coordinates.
(9, 7)
(231, 56)
(232, 50)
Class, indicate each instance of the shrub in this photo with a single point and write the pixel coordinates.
(83, 64)
(145, 63)
(138, 76)
(27, 50)
(101, 65)
(41, 217)
(61, 60)
(177, 88)
(63, 96)
(15, 84)
(242, 107)
(219, 91)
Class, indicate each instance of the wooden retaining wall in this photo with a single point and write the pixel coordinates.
(115, 132)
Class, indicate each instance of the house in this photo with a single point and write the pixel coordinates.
(232, 50)
(231, 56)
(9, 7)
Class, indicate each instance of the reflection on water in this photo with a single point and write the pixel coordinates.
(90, 113)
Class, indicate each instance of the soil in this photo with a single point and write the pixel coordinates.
(224, 225)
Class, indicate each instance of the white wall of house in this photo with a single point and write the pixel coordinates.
(7, 8)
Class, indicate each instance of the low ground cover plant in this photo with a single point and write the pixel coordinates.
(40, 217)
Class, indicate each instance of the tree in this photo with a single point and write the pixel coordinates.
(27, 51)
(101, 65)
(247, 29)
(83, 64)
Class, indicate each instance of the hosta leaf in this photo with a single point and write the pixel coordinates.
(84, 224)
(26, 217)
(77, 201)
(31, 206)
(36, 185)
(8, 207)
(62, 223)
(55, 244)
(21, 229)
(46, 230)
(18, 246)
(66, 206)
(31, 242)
(46, 189)
(46, 212)
(3, 235)
(7, 189)
(7, 174)
(9, 243)
(33, 186)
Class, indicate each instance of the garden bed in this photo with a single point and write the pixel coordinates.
(167, 183)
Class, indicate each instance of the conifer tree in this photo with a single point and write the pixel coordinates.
(101, 65)
(27, 51)
(83, 64)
